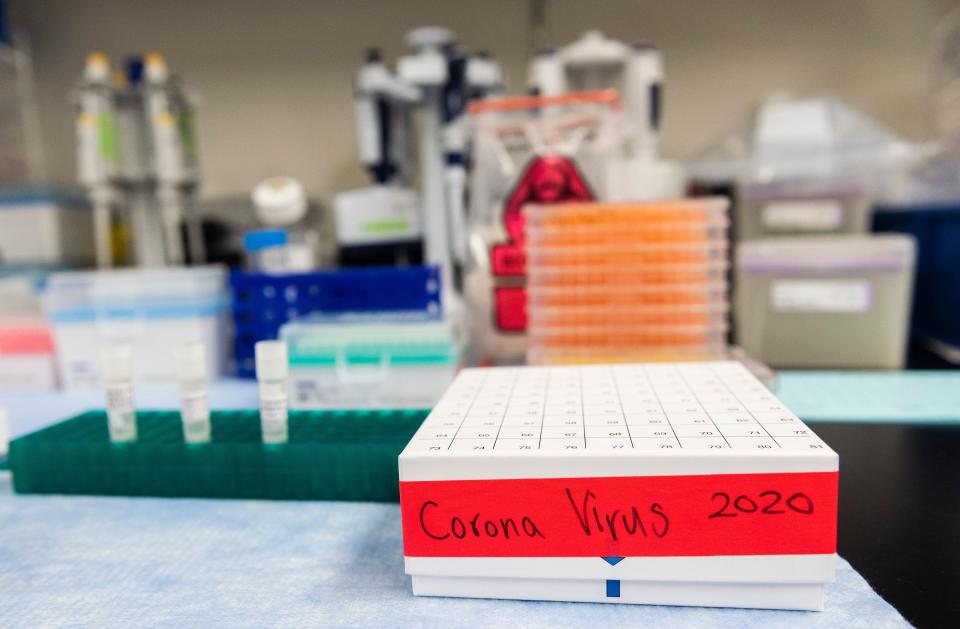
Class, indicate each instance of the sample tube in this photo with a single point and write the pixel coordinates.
(194, 409)
(271, 360)
(116, 367)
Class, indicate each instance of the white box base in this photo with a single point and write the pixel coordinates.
(797, 596)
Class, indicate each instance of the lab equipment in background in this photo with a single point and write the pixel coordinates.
(266, 251)
(45, 225)
(27, 361)
(261, 303)
(380, 224)
(194, 408)
(801, 166)
(272, 373)
(332, 455)
(116, 367)
(925, 204)
(626, 282)
(595, 62)
(371, 360)
(437, 80)
(598, 483)
(826, 302)
(526, 150)
(282, 202)
(137, 154)
(21, 145)
(26, 355)
(151, 310)
(935, 224)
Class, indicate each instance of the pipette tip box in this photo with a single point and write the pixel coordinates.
(331, 455)
(660, 483)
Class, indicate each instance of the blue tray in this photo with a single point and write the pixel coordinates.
(262, 303)
(936, 300)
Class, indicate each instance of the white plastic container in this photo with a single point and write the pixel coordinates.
(369, 361)
(827, 302)
(43, 225)
(26, 355)
(797, 207)
(153, 310)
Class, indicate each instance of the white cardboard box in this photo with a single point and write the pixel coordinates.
(687, 484)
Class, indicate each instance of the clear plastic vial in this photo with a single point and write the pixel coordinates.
(116, 368)
(194, 408)
(271, 360)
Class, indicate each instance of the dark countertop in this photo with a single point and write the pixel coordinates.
(900, 514)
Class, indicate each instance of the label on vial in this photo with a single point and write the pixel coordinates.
(273, 419)
(120, 412)
(841, 296)
(195, 412)
(803, 214)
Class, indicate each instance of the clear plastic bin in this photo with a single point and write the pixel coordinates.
(829, 302)
(154, 310)
(796, 207)
(626, 294)
(645, 338)
(702, 212)
(619, 276)
(800, 166)
(627, 315)
(628, 255)
(400, 360)
(587, 355)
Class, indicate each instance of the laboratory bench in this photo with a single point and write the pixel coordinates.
(148, 561)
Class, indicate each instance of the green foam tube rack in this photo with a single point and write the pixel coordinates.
(330, 455)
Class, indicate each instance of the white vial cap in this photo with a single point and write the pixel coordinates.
(271, 360)
(116, 362)
(280, 201)
(191, 361)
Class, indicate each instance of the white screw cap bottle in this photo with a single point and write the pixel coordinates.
(271, 359)
(194, 408)
(116, 369)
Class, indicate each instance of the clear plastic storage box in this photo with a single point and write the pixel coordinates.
(800, 166)
(828, 302)
(374, 360)
(154, 310)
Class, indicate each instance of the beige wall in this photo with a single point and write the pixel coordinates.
(275, 75)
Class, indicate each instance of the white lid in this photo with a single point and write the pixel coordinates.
(271, 359)
(280, 201)
(787, 137)
(116, 362)
(191, 361)
(827, 253)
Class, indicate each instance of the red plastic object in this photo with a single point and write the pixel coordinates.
(548, 179)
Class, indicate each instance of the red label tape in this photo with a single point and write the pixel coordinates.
(724, 514)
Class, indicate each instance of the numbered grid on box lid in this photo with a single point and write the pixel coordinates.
(714, 406)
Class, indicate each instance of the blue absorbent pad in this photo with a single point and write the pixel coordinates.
(899, 397)
(105, 562)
